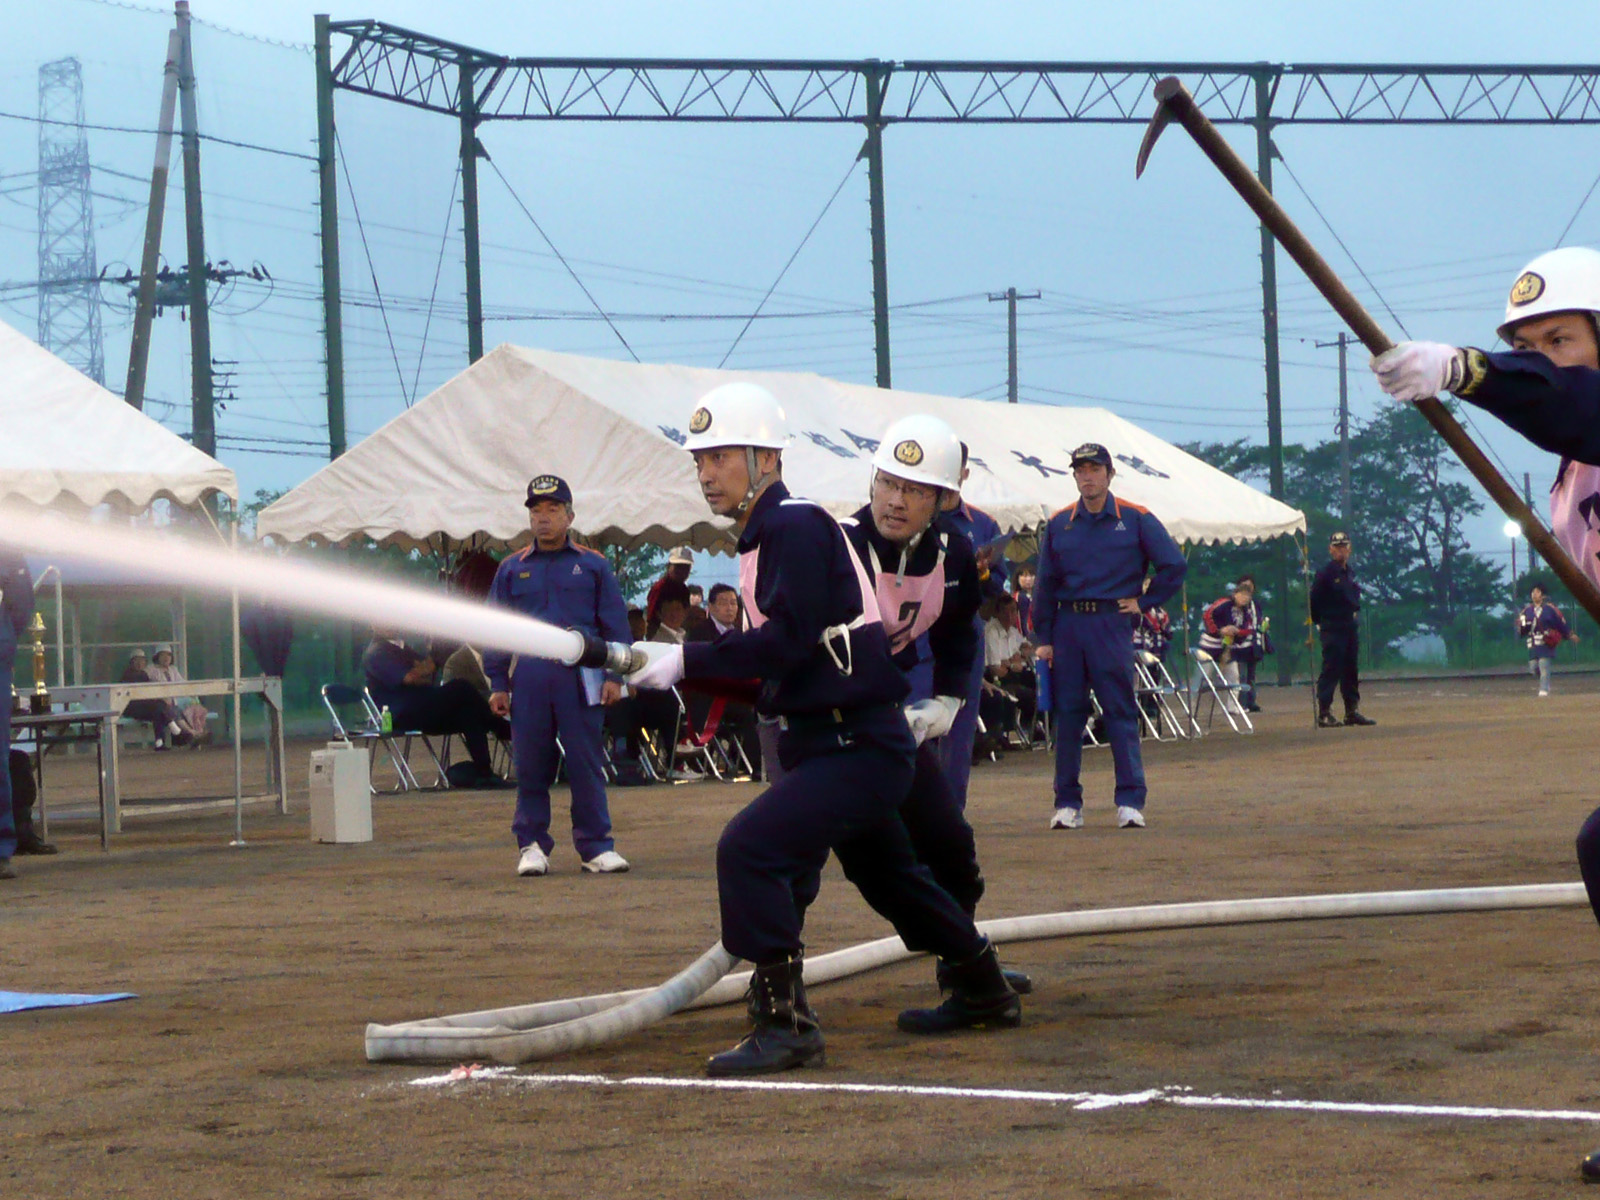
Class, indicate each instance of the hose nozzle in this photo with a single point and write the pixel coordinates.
(617, 657)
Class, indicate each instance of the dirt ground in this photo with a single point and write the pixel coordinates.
(239, 1070)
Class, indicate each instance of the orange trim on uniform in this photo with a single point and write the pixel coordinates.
(1071, 510)
(1138, 508)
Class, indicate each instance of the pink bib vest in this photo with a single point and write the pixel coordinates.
(750, 563)
(1575, 516)
(910, 603)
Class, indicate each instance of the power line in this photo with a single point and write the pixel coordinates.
(371, 268)
(534, 222)
(205, 137)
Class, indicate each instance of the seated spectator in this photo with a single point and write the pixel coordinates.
(1228, 629)
(401, 680)
(1153, 631)
(672, 613)
(1007, 665)
(738, 716)
(636, 624)
(161, 714)
(465, 662)
(679, 563)
(192, 715)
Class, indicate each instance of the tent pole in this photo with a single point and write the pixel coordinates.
(238, 734)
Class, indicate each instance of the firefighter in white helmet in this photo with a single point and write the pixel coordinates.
(1547, 388)
(816, 642)
(926, 579)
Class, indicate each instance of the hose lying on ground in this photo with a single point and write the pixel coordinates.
(535, 1031)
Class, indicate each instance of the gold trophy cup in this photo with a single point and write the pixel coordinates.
(40, 700)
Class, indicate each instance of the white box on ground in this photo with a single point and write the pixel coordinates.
(341, 801)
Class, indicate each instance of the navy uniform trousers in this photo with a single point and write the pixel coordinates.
(1340, 650)
(955, 747)
(1095, 650)
(547, 701)
(843, 788)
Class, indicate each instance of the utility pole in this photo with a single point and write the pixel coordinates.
(69, 291)
(877, 78)
(145, 306)
(1527, 498)
(1011, 296)
(1344, 340)
(328, 210)
(1265, 85)
(469, 210)
(205, 420)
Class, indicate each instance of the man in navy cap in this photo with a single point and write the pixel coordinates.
(1092, 564)
(16, 611)
(1335, 601)
(564, 584)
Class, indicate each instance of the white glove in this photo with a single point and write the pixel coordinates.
(663, 668)
(1415, 371)
(932, 718)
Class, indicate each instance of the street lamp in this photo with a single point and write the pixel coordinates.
(1513, 531)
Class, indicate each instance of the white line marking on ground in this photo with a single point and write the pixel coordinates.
(1179, 1096)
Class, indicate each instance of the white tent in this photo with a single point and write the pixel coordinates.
(71, 443)
(458, 462)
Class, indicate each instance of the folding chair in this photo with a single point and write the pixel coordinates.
(1222, 691)
(440, 782)
(1157, 691)
(358, 707)
(700, 747)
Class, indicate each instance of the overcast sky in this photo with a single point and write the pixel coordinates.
(1150, 292)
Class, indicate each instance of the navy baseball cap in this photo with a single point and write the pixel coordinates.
(548, 487)
(1091, 452)
(1339, 539)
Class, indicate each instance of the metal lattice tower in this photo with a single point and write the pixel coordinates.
(69, 290)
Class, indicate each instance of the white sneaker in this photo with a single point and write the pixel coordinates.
(533, 862)
(1542, 695)
(607, 862)
(1129, 818)
(1067, 818)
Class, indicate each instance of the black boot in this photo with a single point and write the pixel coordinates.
(786, 1032)
(980, 998)
(1326, 720)
(1018, 981)
(1354, 717)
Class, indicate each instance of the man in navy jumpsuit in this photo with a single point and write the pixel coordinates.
(814, 639)
(16, 612)
(572, 586)
(980, 530)
(1335, 601)
(1092, 564)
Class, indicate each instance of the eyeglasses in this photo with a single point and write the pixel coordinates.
(906, 490)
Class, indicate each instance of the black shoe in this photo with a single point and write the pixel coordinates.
(1326, 720)
(7, 871)
(182, 738)
(1355, 718)
(1018, 981)
(980, 998)
(786, 1034)
(32, 843)
(1252, 707)
(1589, 1168)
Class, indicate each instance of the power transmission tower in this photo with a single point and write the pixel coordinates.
(1011, 296)
(69, 292)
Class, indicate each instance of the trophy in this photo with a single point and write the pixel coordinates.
(40, 700)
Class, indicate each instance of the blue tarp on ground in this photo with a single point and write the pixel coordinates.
(20, 1001)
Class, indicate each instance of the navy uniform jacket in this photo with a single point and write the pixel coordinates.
(384, 666)
(1555, 408)
(16, 606)
(1335, 595)
(953, 639)
(979, 529)
(804, 583)
(1103, 556)
(572, 587)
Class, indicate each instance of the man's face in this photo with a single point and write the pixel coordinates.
(1241, 597)
(1093, 479)
(549, 521)
(674, 613)
(725, 476)
(1340, 554)
(678, 571)
(1537, 595)
(902, 509)
(1566, 339)
(725, 607)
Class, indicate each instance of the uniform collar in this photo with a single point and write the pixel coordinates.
(1112, 506)
(765, 505)
(920, 560)
(532, 548)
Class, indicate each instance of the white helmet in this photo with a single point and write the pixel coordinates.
(738, 414)
(1564, 280)
(921, 449)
